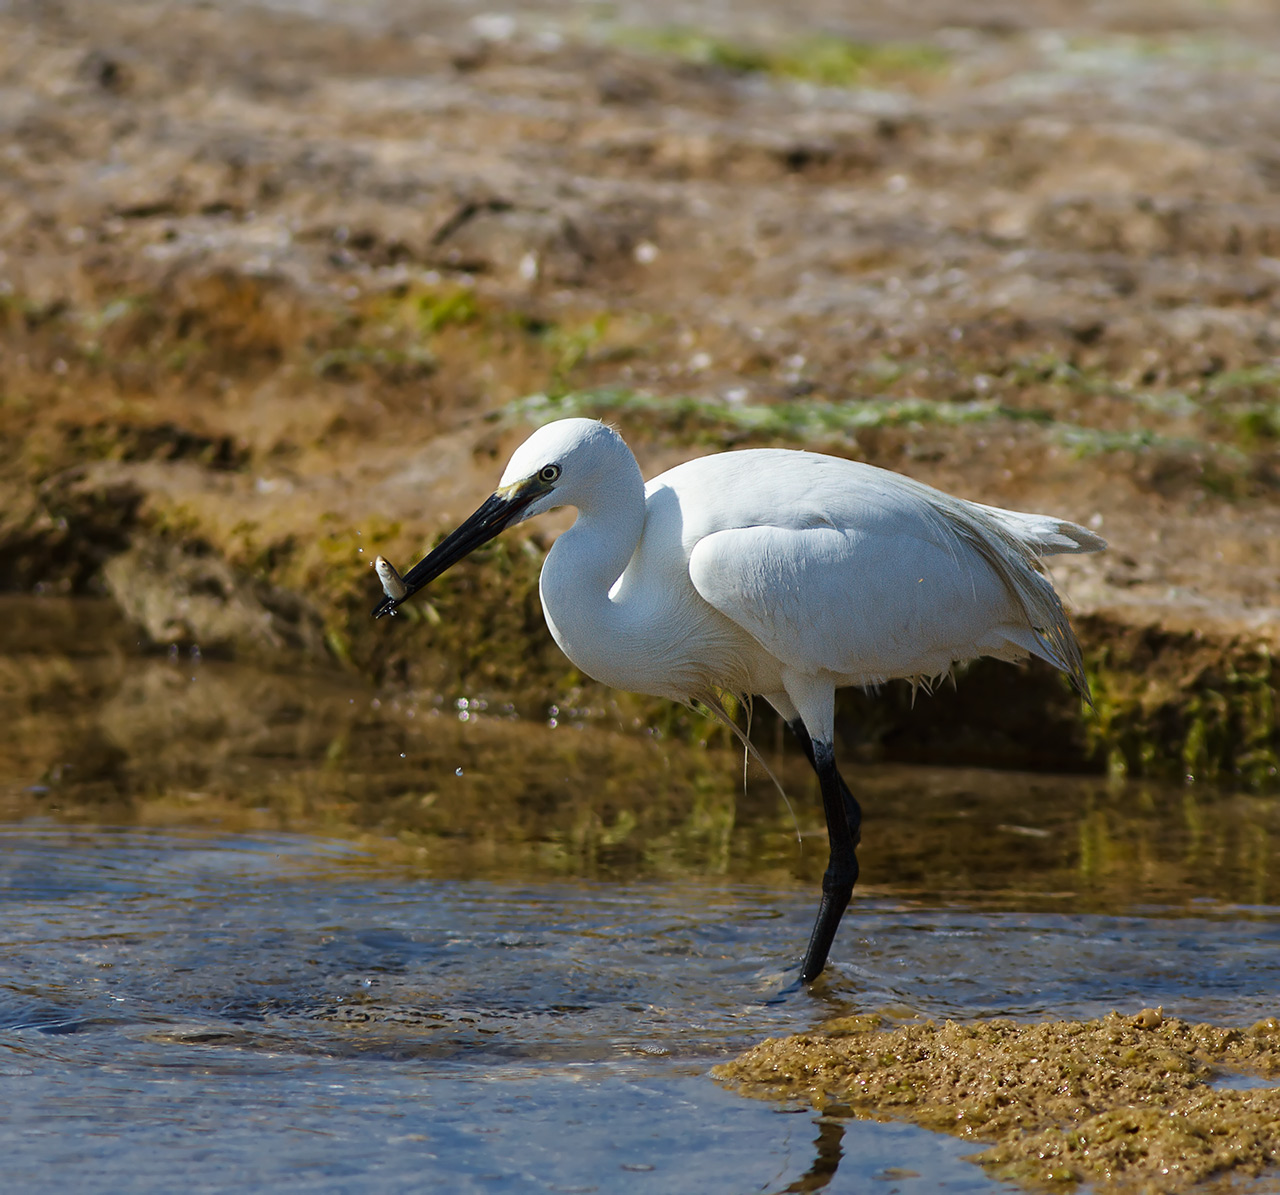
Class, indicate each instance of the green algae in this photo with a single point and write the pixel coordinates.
(1229, 469)
(797, 421)
(823, 60)
(1124, 1103)
(1181, 704)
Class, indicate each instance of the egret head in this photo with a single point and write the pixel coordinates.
(561, 464)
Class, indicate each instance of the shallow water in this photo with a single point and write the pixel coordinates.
(259, 932)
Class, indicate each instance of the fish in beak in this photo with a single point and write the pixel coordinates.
(502, 508)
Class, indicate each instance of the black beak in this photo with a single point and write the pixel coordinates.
(497, 513)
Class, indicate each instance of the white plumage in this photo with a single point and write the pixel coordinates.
(773, 572)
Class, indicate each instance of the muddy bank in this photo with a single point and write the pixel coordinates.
(267, 314)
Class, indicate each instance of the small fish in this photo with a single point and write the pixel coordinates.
(392, 582)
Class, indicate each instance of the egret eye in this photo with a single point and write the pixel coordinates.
(549, 473)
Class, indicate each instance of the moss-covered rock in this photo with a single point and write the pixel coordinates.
(1123, 1103)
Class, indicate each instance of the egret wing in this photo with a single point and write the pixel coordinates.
(862, 603)
(838, 566)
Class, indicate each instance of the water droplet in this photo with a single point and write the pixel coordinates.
(458, 772)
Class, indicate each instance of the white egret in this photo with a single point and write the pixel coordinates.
(774, 572)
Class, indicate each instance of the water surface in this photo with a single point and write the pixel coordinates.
(263, 930)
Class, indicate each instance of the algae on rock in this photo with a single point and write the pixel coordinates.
(1124, 1103)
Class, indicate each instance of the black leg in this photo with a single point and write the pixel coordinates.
(844, 832)
(852, 810)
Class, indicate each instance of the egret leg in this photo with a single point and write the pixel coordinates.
(852, 810)
(844, 832)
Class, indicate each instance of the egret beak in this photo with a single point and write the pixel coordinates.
(498, 512)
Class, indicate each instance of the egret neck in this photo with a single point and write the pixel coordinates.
(600, 635)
